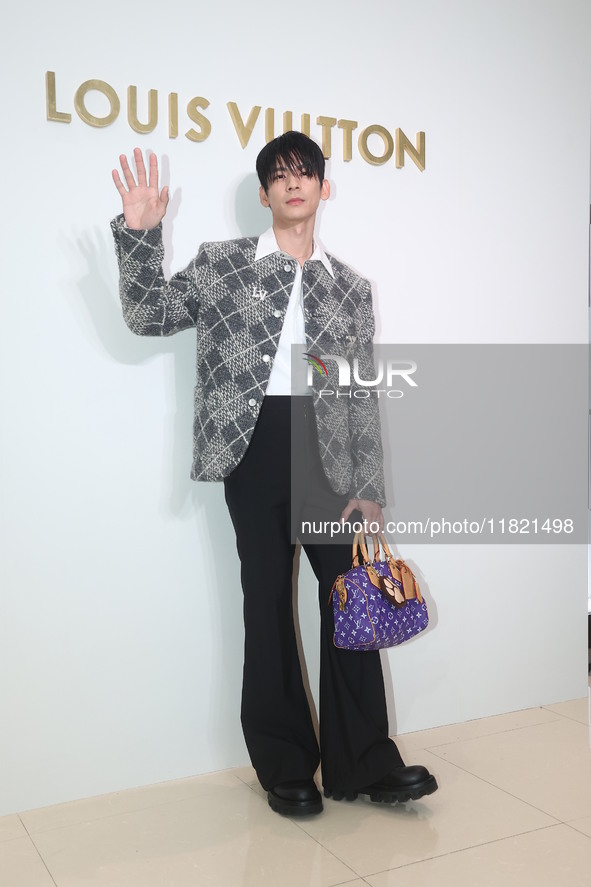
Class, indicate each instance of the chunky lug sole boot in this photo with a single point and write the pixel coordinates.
(402, 784)
(298, 798)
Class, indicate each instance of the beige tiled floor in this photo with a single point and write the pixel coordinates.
(513, 810)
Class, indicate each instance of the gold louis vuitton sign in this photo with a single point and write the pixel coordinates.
(374, 143)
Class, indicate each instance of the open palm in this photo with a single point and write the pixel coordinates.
(143, 206)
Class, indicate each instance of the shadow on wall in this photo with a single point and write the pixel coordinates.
(251, 217)
(104, 324)
(180, 498)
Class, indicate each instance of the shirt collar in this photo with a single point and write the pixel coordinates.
(267, 245)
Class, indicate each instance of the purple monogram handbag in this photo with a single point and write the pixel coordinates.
(376, 604)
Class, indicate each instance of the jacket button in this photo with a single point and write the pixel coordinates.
(266, 358)
(277, 313)
(252, 402)
(287, 268)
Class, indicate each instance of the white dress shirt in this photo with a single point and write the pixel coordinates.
(294, 330)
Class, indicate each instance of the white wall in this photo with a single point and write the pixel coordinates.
(120, 638)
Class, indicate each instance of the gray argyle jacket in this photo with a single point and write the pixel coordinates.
(236, 306)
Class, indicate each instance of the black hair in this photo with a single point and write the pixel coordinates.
(293, 150)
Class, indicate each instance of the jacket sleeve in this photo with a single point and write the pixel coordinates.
(364, 415)
(151, 305)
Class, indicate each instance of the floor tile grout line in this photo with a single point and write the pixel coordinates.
(557, 819)
(356, 875)
(570, 718)
(328, 850)
(572, 827)
(576, 819)
(315, 840)
(462, 850)
(123, 792)
(575, 721)
(308, 835)
(38, 852)
(499, 732)
(300, 826)
(539, 708)
(320, 844)
(244, 781)
(117, 812)
(429, 748)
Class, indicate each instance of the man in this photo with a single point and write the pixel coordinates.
(250, 300)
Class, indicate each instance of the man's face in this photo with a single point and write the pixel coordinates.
(293, 196)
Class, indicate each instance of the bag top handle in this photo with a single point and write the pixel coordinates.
(360, 551)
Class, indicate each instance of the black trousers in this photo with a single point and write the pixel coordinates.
(354, 746)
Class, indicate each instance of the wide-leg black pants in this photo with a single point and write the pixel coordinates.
(354, 746)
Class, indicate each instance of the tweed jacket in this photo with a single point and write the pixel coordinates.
(236, 306)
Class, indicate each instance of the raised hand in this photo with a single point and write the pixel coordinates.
(143, 206)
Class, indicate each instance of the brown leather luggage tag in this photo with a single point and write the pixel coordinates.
(390, 590)
(409, 583)
(374, 577)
